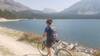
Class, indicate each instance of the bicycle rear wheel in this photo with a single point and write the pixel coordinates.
(63, 52)
(42, 49)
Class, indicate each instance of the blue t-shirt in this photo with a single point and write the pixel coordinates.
(50, 32)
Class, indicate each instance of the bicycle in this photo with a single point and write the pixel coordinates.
(59, 49)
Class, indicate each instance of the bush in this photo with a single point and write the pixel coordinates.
(30, 37)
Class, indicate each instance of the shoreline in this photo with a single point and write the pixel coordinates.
(7, 20)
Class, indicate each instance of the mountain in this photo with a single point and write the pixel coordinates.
(30, 14)
(84, 9)
(48, 10)
(18, 10)
(12, 5)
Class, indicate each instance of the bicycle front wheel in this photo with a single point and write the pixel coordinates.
(63, 52)
(42, 49)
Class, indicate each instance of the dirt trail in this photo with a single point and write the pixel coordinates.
(18, 48)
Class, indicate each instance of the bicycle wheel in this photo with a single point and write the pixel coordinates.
(42, 49)
(63, 52)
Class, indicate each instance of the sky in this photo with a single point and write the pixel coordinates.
(57, 5)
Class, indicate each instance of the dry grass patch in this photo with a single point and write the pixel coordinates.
(30, 37)
(21, 36)
(10, 32)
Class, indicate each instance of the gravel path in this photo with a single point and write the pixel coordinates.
(16, 47)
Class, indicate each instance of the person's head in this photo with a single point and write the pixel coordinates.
(49, 21)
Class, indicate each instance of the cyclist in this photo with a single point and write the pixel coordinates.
(50, 34)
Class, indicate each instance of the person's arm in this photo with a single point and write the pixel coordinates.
(45, 33)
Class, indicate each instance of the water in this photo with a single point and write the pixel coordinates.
(86, 32)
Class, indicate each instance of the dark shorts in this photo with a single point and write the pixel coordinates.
(49, 42)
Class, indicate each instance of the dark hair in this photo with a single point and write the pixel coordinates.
(49, 21)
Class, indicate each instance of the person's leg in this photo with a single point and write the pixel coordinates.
(49, 45)
(49, 51)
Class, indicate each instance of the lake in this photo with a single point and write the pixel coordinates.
(86, 32)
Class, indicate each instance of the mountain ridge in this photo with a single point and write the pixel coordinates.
(12, 5)
(82, 9)
(89, 6)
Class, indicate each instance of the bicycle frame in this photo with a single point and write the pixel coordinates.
(57, 45)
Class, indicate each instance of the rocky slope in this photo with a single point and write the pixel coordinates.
(11, 9)
(85, 7)
(12, 5)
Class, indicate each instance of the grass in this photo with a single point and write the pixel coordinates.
(21, 36)
(10, 32)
